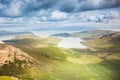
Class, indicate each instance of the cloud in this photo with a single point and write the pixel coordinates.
(18, 8)
(57, 15)
(48, 12)
(14, 9)
(85, 5)
(68, 5)
(43, 16)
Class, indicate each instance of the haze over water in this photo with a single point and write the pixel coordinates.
(71, 42)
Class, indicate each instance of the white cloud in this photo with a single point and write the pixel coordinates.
(44, 18)
(48, 16)
(92, 18)
(57, 15)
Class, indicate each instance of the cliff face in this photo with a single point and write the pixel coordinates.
(13, 61)
(11, 54)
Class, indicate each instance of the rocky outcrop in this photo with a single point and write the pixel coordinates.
(11, 54)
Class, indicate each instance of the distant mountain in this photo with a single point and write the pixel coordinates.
(69, 28)
(10, 33)
(62, 35)
(32, 41)
(94, 34)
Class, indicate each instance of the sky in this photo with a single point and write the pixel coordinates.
(104, 14)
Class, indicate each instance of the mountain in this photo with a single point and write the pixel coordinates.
(33, 41)
(108, 46)
(86, 35)
(13, 61)
(68, 28)
(10, 33)
(106, 41)
(6, 35)
(113, 36)
(52, 63)
(92, 34)
(62, 35)
(29, 63)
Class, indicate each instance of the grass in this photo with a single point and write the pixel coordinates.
(33, 42)
(69, 64)
(107, 70)
(92, 67)
(7, 78)
(50, 53)
(54, 65)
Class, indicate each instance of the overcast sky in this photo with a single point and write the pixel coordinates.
(60, 13)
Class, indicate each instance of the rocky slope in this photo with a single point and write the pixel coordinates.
(9, 53)
(13, 61)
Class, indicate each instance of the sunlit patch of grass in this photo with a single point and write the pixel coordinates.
(68, 64)
(7, 78)
(88, 59)
(85, 59)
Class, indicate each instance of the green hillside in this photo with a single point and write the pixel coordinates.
(106, 47)
(32, 41)
(54, 63)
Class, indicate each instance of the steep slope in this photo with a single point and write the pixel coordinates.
(17, 63)
(109, 45)
(106, 41)
(113, 36)
(13, 61)
(40, 48)
(62, 64)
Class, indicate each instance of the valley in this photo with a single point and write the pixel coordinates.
(44, 60)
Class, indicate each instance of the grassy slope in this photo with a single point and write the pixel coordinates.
(108, 47)
(29, 42)
(7, 78)
(72, 64)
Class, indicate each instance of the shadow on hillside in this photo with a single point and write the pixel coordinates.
(111, 68)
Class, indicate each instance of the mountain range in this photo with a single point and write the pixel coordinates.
(30, 57)
(86, 34)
